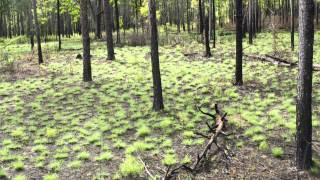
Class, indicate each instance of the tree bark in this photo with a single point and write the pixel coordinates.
(206, 36)
(87, 76)
(239, 50)
(117, 21)
(40, 59)
(58, 25)
(250, 23)
(109, 20)
(157, 87)
(200, 17)
(98, 19)
(292, 25)
(304, 85)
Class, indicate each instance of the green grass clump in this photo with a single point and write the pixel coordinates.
(105, 156)
(20, 177)
(83, 155)
(169, 159)
(51, 177)
(76, 164)
(277, 152)
(131, 166)
(143, 131)
(18, 165)
(263, 146)
(3, 174)
(51, 132)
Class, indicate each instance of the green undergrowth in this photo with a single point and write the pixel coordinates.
(57, 123)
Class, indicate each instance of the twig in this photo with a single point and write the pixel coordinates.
(146, 168)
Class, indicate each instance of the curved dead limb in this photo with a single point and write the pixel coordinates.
(205, 113)
(220, 120)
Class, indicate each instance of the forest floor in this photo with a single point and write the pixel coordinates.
(54, 126)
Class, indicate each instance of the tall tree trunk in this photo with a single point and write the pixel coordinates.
(31, 29)
(304, 85)
(206, 37)
(239, 51)
(214, 23)
(210, 19)
(98, 19)
(177, 15)
(292, 24)
(188, 16)
(37, 31)
(200, 17)
(157, 88)
(58, 25)
(109, 19)
(250, 23)
(117, 20)
(87, 76)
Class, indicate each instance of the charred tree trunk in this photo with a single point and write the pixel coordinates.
(58, 24)
(40, 59)
(200, 17)
(292, 25)
(206, 37)
(214, 23)
(157, 88)
(117, 20)
(31, 29)
(107, 9)
(98, 19)
(250, 23)
(239, 51)
(304, 86)
(85, 40)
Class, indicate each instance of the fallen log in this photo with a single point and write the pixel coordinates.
(278, 61)
(216, 130)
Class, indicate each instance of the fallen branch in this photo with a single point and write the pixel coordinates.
(146, 168)
(278, 61)
(220, 121)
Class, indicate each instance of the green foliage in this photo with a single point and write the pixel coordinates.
(131, 166)
(51, 177)
(277, 152)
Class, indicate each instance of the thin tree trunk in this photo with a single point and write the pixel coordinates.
(239, 51)
(37, 31)
(109, 19)
(58, 24)
(292, 25)
(304, 85)
(87, 76)
(157, 87)
(98, 19)
(117, 21)
(206, 37)
(250, 23)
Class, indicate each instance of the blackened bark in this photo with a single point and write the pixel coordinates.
(239, 52)
(98, 19)
(188, 16)
(214, 23)
(292, 24)
(109, 20)
(40, 59)
(250, 23)
(87, 76)
(117, 20)
(157, 87)
(206, 37)
(58, 25)
(31, 29)
(200, 17)
(304, 86)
